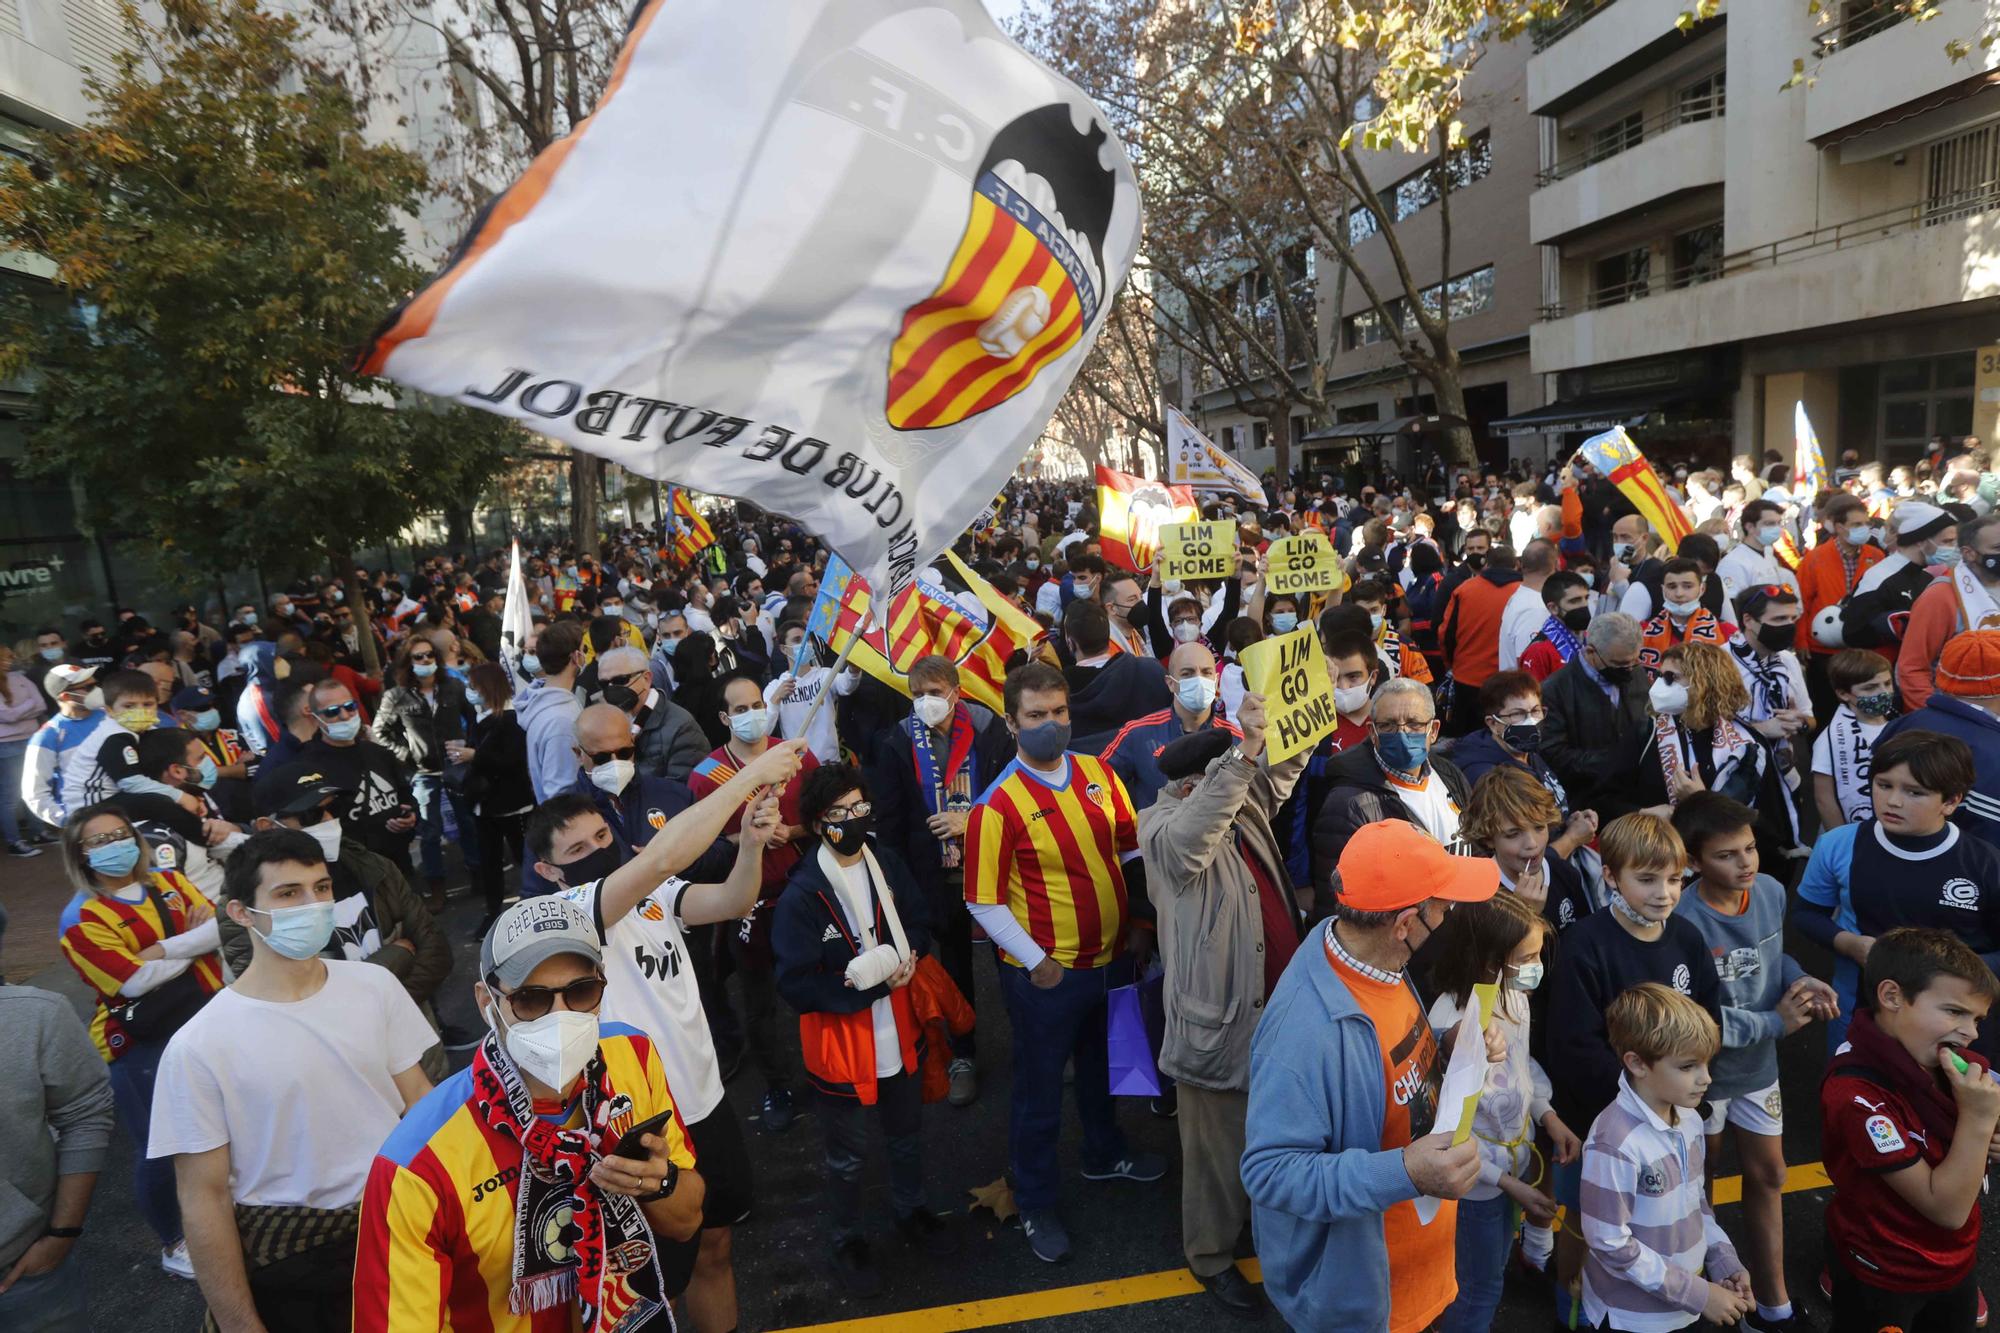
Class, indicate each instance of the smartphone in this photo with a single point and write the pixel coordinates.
(631, 1143)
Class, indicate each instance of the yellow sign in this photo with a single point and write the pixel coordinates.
(1197, 550)
(1290, 672)
(1303, 564)
(1986, 394)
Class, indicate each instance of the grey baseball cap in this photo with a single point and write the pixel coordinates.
(532, 931)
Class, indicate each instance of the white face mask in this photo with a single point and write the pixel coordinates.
(612, 775)
(931, 709)
(1525, 977)
(1682, 608)
(1352, 700)
(1668, 698)
(1186, 631)
(327, 834)
(554, 1048)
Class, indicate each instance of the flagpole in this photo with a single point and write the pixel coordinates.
(839, 665)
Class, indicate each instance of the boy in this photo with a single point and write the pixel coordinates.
(1639, 939)
(1907, 866)
(1866, 686)
(1906, 1133)
(1765, 995)
(1657, 1258)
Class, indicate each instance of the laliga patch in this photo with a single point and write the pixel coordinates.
(1882, 1132)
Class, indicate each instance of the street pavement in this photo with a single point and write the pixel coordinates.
(1125, 1275)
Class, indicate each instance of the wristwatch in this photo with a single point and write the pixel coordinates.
(63, 1233)
(667, 1185)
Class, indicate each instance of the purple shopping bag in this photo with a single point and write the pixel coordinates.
(1133, 1058)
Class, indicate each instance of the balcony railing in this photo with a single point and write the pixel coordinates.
(1969, 202)
(1710, 106)
(1624, 293)
(1546, 33)
(1857, 23)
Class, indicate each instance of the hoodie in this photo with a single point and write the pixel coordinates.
(1125, 688)
(547, 714)
(1469, 630)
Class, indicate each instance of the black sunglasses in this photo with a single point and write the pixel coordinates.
(581, 996)
(606, 756)
(338, 710)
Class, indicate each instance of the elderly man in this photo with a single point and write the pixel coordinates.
(1134, 753)
(1227, 929)
(634, 805)
(669, 741)
(1344, 1078)
(1597, 711)
(1394, 776)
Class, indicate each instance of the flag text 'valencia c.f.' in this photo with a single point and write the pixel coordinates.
(837, 257)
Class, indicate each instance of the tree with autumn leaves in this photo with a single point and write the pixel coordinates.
(223, 240)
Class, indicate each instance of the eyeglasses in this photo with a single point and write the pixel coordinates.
(606, 756)
(1401, 728)
(105, 840)
(840, 814)
(1517, 719)
(423, 657)
(332, 711)
(581, 996)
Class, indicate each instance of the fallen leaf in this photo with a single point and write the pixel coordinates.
(997, 1197)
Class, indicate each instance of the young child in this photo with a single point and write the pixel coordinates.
(1500, 940)
(1866, 685)
(1907, 866)
(1508, 817)
(1765, 995)
(1657, 1259)
(1906, 1132)
(1639, 939)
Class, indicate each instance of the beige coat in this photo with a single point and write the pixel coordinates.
(1210, 928)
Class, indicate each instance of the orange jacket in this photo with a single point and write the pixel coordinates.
(1659, 634)
(1823, 582)
(1469, 630)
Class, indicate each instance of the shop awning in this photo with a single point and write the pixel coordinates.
(1578, 414)
(1350, 431)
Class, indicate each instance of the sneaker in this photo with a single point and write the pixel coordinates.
(1795, 1322)
(1979, 1320)
(1141, 1166)
(18, 848)
(43, 838)
(964, 1083)
(925, 1230)
(1046, 1236)
(778, 1112)
(855, 1267)
(1167, 1106)
(176, 1260)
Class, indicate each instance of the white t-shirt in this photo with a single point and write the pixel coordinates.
(650, 984)
(1854, 736)
(1520, 621)
(823, 742)
(1433, 807)
(303, 1093)
(858, 902)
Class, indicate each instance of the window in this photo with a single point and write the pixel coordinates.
(1617, 279)
(1364, 329)
(1259, 436)
(1919, 399)
(1361, 224)
(1613, 139)
(1962, 175)
(1700, 100)
(1698, 255)
(1229, 438)
(1462, 167)
(1416, 194)
(1470, 294)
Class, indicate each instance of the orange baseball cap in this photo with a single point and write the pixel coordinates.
(1392, 864)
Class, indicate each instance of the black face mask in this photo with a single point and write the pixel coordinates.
(1522, 737)
(1615, 675)
(1991, 564)
(1576, 619)
(1778, 637)
(848, 838)
(1475, 559)
(601, 862)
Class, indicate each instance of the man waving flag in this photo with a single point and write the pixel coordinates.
(839, 257)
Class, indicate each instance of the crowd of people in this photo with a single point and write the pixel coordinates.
(1586, 796)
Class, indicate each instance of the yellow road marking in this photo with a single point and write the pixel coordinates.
(1115, 1292)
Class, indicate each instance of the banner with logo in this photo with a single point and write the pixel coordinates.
(1615, 457)
(1130, 511)
(1307, 563)
(1194, 461)
(1203, 550)
(838, 257)
(1290, 672)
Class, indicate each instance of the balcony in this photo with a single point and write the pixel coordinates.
(1602, 45)
(1545, 33)
(1673, 153)
(1923, 256)
(1875, 63)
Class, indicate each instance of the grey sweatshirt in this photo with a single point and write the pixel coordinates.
(56, 1081)
(1754, 971)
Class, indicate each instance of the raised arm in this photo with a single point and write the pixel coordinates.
(688, 834)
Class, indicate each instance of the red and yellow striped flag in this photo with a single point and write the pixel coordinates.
(692, 534)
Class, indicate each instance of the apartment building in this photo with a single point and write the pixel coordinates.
(1718, 245)
(1491, 279)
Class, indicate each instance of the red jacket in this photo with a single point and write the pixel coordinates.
(1469, 629)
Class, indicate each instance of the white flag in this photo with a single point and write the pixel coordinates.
(1195, 462)
(515, 623)
(837, 257)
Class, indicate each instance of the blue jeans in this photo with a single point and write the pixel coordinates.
(11, 759)
(152, 1178)
(1050, 1027)
(51, 1302)
(429, 792)
(1485, 1237)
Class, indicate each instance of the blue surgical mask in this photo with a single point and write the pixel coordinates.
(1284, 622)
(1526, 977)
(424, 670)
(1770, 535)
(667, 646)
(209, 773)
(114, 858)
(475, 698)
(1946, 556)
(52, 654)
(298, 932)
(1195, 693)
(530, 664)
(751, 725)
(207, 720)
(344, 730)
(1402, 751)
